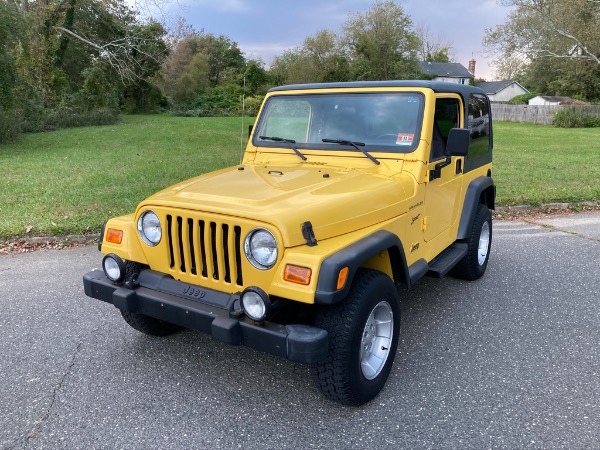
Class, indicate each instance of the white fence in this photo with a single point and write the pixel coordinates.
(535, 114)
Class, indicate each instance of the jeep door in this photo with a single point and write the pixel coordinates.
(444, 182)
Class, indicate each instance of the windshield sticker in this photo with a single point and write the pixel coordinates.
(405, 139)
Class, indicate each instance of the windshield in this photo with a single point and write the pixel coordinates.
(377, 122)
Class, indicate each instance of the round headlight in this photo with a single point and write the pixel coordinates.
(114, 267)
(149, 228)
(255, 303)
(260, 247)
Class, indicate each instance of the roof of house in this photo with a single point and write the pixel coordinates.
(450, 70)
(493, 87)
(559, 100)
(555, 99)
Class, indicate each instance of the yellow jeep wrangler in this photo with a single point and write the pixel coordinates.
(346, 192)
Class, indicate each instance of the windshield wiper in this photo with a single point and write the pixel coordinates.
(353, 144)
(287, 141)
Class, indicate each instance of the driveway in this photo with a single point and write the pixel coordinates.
(508, 361)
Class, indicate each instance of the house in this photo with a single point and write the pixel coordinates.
(502, 91)
(448, 72)
(549, 100)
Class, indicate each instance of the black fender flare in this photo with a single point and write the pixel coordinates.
(472, 199)
(352, 257)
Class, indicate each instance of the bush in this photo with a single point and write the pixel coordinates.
(569, 118)
(522, 99)
(54, 119)
(11, 125)
(224, 100)
(592, 122)
(252, 105)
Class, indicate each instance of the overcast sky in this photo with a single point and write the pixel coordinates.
(265, 28)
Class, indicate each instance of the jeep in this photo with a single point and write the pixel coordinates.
(347, 194)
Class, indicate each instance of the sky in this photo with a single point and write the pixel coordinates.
(265, 28)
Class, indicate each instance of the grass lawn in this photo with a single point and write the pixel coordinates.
(536, 164)
(71, 181)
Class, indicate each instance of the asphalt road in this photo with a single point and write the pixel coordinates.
(509, 361)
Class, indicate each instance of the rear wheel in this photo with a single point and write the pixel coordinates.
(473, 265)
(363, 338)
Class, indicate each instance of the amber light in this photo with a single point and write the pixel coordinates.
(114, 236)
(296, 274)
(342, 278)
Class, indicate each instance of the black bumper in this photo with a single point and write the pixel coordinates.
(209, 311)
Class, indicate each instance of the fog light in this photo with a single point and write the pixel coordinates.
(114, 267)
(255, 303)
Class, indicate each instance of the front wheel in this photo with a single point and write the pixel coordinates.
(363, 338)
(149, 325)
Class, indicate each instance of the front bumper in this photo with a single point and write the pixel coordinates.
(212, 312)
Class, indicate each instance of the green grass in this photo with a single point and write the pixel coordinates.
(71, 181)
(535, 164)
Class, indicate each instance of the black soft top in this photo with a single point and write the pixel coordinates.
(437, 86)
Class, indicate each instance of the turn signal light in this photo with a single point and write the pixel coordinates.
(114, 236)
(343, 275)
(297, 274)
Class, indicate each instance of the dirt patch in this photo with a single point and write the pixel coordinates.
(28, 245)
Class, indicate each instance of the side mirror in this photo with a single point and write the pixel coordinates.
(458, 142)
(250, 130)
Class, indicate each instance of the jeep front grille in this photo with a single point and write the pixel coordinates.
(207, 249)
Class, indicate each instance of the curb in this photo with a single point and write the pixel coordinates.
(547, 207)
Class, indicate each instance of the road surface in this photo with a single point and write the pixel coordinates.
(509, 361)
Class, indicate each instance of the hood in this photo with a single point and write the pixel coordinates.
(334, 200)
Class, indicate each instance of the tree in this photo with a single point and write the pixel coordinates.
(579, 79)
(11, 34)
(433, 49)
(381, 42)
(185, 73)
(256, 77)
(510, 67)
(326, 57)
(553, 46)
(549, 28)
(321, 58)
(225, 59)
(290, 68)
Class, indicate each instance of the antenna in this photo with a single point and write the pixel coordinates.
(243, 114)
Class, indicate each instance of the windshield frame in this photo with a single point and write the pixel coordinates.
(371, 147)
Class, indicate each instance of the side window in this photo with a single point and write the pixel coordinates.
(447, 114)
(479, 124)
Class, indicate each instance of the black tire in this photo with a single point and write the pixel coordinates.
(149, 325)
(145, 324)
(132, 270)
(473, 265)
(341, 378)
